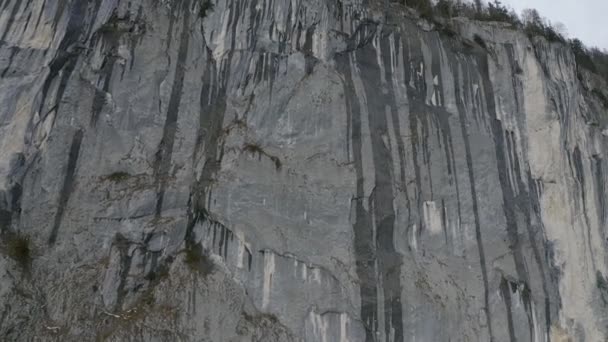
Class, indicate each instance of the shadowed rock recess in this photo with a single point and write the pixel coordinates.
(295, 170)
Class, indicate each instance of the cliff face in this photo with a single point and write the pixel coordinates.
(305, 170)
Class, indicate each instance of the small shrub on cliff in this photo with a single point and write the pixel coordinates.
(205, 7)
(253, 149)
(424, 7)
(593, 59)
(479, 41)
(198, 261)
(18, 247)
(535, 25)
(276, 161)
(118, 177)
(256, 149)
(445, 8)
(496, 11)
(600, 60)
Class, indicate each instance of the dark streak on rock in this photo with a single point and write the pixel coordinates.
(417, 117)
(601, 193)
(516, 204)
(221, 242)
(365, 254)
(10, 201)
(68, 184)
(389, 261)
(109, 37)
(579, 174)
(505, 292)
(469, 158)
(10, 20)
(506, 160)
(42, 8)
(444, 223)
(162, 163)
(509, 201)
(550, 274)
(64, 63)
(397, 128)
(122, 244)
(14, 50)
(213, 109)
(527, 202)
(99, 98)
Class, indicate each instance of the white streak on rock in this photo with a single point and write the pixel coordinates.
(432, 217)
(269, 268)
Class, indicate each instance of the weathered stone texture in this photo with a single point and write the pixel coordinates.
(295, 170)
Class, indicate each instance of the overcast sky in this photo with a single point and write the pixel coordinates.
(584, 19)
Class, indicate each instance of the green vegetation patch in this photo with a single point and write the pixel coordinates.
(206, 6)
(530, 21)
(198, 261)
(118, 177)
(18, 247)
(256, 149)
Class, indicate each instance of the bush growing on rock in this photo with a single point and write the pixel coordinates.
(118, 176)
(496, 11)
(256, 149)
(424, 7)
(206, 6)
(535, 25)
(592, 59)
(17, 247)
(198, 261)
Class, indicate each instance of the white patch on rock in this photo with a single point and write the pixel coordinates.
(316, 275)
(240, 261)
(414, 237)
(432, 218)
(343, 325)
(269, 268)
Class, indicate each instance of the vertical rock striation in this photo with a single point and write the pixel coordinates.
(299, 170)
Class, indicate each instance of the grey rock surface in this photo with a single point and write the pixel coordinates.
(302, 170)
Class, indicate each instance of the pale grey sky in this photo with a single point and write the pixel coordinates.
(586, 20)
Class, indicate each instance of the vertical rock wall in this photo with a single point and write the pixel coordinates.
(302, 170)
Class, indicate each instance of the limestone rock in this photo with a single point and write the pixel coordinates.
(307, 170)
